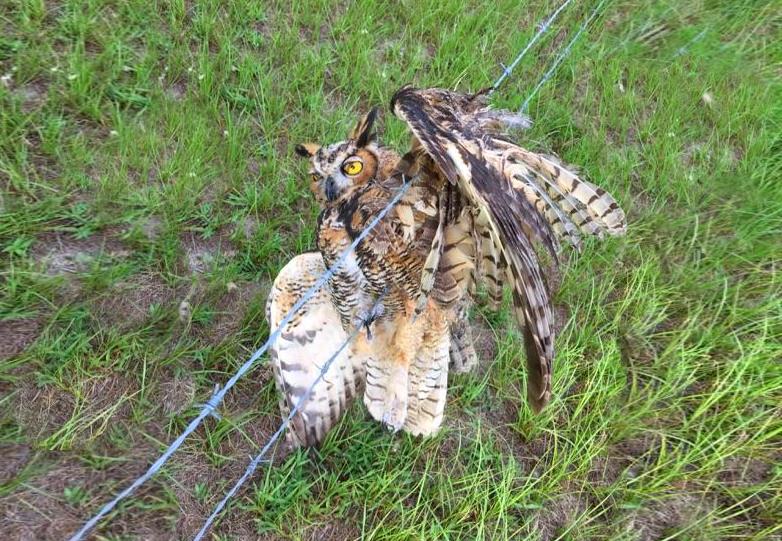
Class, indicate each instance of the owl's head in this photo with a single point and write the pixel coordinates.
(340, 168)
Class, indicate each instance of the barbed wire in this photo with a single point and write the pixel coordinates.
(219, 394)
(542, 28)
(256, 461)
(686, 47)
(560, 57)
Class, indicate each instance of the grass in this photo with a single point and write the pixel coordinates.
(150, 194)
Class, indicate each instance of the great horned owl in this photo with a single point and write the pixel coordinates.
(325, 321)
(477, 204)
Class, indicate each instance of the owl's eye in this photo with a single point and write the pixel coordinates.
(352, 168)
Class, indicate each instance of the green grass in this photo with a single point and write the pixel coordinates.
(150, 194)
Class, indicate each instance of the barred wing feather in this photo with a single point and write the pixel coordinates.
(304, 345)
(467, 161)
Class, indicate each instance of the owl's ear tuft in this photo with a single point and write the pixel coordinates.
(363, 133)
(307, 150)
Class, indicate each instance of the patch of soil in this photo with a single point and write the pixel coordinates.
(606, 470)
(201, 254)
(176, 394)
(561, 316)
(484, 340)
(263, 27)
(15, 458)
(249, 227)
(739, 471)
(230, 309)
(658, 517)
(38, 510)
(634, 349)
(177, 91)
(61, 254)
(16, 335)
(529, 454)
(152, 226)
(558, 513)
(40, 411)
(127, 304)
(333, 530)
(639, 451)
(33, 94)
(630, 457)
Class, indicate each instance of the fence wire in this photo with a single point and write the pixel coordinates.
(560, 57)
(542, 28)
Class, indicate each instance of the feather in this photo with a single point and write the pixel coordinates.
(463, 357)
(304, 344)
(589, 203)
(490, 262)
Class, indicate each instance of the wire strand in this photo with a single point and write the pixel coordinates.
(560, 57)
(543, 27)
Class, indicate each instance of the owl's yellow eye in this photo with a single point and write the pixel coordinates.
(352, 168)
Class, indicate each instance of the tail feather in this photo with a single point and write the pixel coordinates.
(462, 350)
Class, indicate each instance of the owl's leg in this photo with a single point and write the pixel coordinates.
(462, 351)
(429, 379)
(395, 405)
(386, 394)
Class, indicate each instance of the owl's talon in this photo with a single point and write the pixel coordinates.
(367, 319)
(394, 416)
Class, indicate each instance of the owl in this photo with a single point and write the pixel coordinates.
(331, 314)
(477, 205)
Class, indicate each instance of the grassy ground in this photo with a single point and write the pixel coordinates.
(150, 194)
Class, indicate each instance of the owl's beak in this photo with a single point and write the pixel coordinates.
(331, 189)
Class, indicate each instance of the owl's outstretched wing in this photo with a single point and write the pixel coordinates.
(511, 190)
(305, 344)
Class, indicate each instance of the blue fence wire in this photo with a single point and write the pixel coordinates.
(560, 57)
(542, 28)
(686, 47)
(218, 396)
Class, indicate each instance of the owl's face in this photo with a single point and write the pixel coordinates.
(338, 169)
